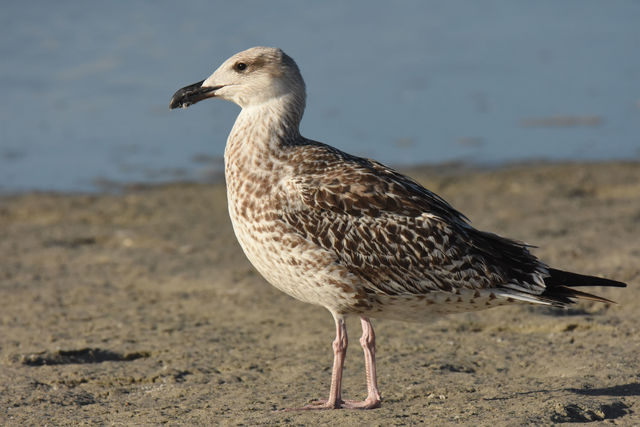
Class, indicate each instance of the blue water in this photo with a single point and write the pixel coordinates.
(86, 85)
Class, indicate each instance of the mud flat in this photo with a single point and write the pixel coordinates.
(139, 308)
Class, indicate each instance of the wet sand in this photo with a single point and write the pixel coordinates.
(139, 308)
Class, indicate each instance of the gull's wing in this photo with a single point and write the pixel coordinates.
(396, 235)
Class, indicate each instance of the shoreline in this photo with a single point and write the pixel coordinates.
(138, 306)
(215, 175)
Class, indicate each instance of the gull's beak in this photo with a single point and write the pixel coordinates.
(191, 94)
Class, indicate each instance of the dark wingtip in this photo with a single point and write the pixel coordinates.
(560, 277)
(560, 286)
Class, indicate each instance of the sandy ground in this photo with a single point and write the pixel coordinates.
(139, 308)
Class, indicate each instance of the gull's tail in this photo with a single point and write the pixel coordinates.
(560, 286)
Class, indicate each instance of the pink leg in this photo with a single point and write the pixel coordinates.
(339, 353)
(368, 342)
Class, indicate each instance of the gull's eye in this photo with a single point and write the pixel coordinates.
(240, 66)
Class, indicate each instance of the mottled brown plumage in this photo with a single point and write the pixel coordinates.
(349, 233)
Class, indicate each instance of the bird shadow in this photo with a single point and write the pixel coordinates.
(580, 413)
(631, 389)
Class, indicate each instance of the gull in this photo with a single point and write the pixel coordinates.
(351, 234)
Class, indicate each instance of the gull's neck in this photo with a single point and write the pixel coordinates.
(266, 128)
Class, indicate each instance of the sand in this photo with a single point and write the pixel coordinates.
(139, 308)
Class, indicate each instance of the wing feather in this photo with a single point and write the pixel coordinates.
(399, 237)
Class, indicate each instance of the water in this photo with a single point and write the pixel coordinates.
(86, 85)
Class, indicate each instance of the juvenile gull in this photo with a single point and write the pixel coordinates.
(349, 233)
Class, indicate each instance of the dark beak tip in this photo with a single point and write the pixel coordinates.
(177, 103)
(189, 95)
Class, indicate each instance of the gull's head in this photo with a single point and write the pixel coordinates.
(248, 78)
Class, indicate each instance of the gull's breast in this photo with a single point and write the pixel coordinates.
(287, 260)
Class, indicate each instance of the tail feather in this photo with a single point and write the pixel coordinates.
(566, 293)
(560, 283)
(566, 278)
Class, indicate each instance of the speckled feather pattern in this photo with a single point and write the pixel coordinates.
(355, 236)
